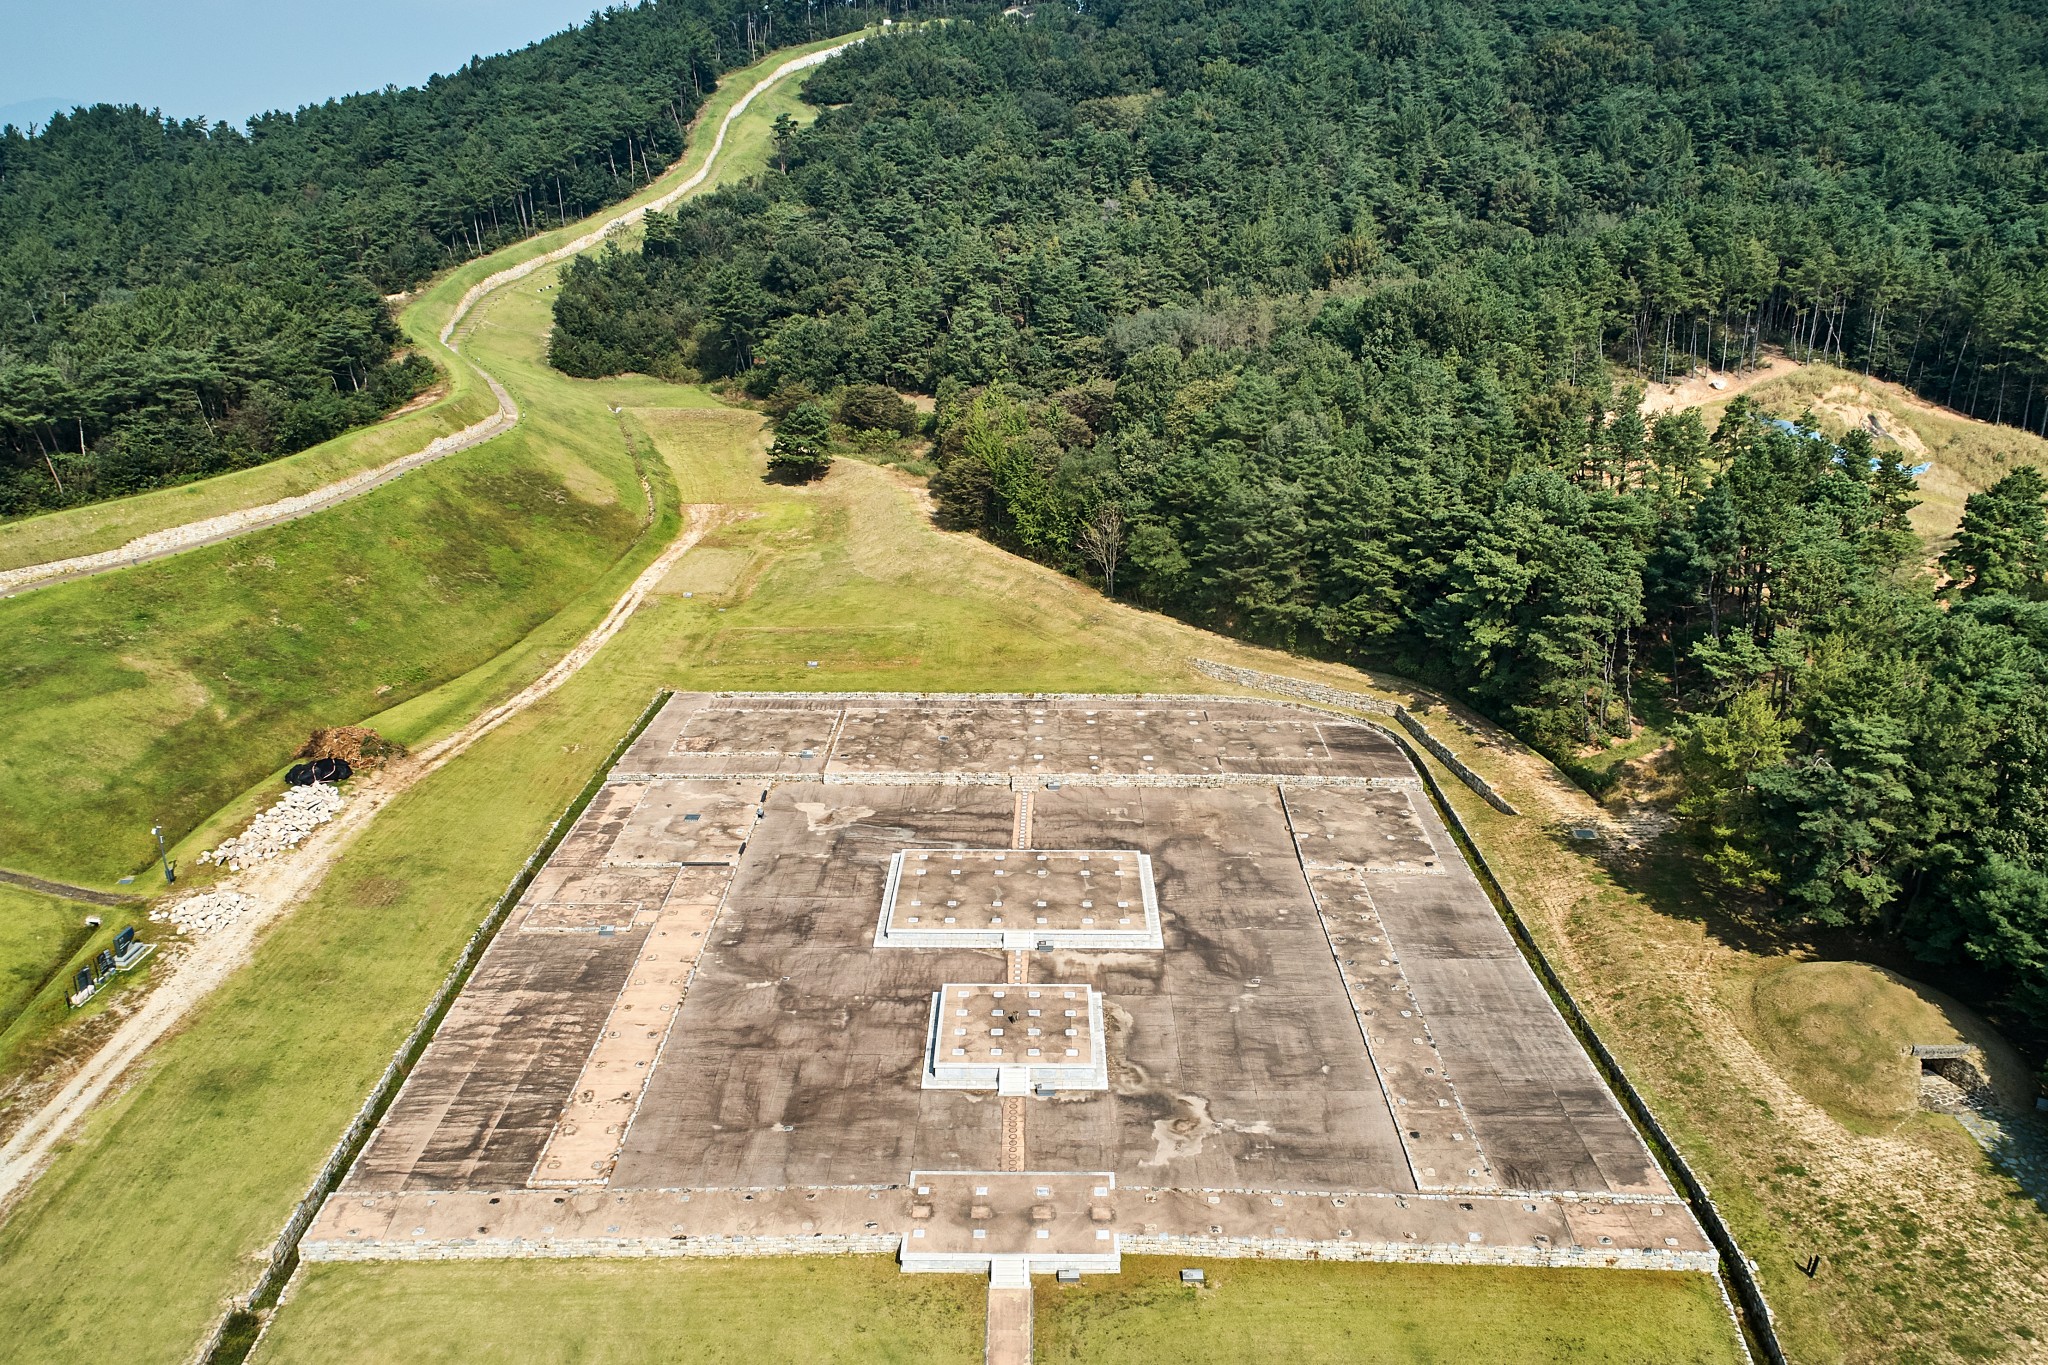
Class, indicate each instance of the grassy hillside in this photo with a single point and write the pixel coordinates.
(159, 693)
(37, 936)
(175, 1187)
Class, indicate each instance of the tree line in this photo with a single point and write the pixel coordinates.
(180, 297)
(1316, 324)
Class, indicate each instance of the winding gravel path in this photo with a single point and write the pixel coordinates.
(212, 530)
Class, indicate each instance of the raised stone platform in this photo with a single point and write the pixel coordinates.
(1020, 899)
(1353, 1225)
(1015, 1039)
(701, 1032)
(1039, 1221)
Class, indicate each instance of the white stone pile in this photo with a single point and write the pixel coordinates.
(209, 910)
(299, 812)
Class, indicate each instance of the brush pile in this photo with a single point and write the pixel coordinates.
(358, 746)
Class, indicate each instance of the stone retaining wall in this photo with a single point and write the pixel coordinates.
(613, 1248)
(900, 779)
(1294, 687)
(1453, 762)
(1294, 1249)
(890, 1244)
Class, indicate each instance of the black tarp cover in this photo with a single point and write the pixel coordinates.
(318, 770)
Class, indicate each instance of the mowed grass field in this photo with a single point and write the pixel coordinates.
(160, 694)
(824, 1311)
(864, 1309)
(38, 935)
(1320, 1313)
(43, 941)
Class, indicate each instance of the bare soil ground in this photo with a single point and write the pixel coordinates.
(1963, 454)
(1703, 386)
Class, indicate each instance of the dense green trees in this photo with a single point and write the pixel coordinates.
(179, 297)
(802, 448)
(1299, 321)
(2002, 545)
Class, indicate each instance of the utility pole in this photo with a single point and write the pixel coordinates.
(170, 874)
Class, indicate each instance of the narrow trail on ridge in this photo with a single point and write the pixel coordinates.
(227, 525)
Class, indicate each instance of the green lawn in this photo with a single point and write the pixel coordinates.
(159, 694)
(37, 936)
(43, 941)
(818, 1310)
(162, 694)
(1303, 1313)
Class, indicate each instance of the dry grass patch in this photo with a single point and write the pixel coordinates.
(1308, 1313)
(1928, 1251)
(1837, 1032)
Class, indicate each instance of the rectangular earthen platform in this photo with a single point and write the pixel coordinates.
(692, 1037)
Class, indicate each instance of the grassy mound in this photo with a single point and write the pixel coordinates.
(1836, 1032)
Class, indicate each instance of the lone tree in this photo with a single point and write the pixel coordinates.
(785, 138)
(2002, 545)
(801, 451)
(1102, 542)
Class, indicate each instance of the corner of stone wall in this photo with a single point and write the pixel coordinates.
(1359, 701)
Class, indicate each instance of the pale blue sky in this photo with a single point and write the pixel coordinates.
(234, 58)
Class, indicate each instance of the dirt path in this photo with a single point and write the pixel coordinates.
(212, 530)
(68, 891)
(1697, 389)
(194, 968)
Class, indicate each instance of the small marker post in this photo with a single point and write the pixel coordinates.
(170, 874)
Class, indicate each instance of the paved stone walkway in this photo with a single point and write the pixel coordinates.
(1009, 1324)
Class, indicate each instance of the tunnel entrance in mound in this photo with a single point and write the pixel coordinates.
(1951, 1076)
